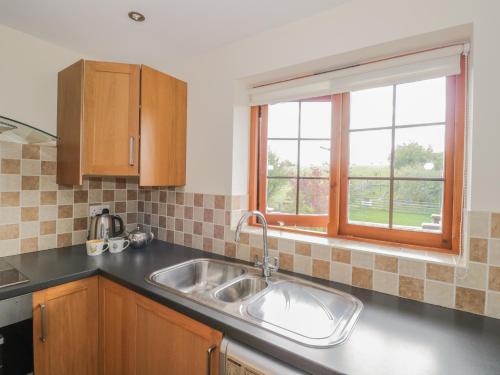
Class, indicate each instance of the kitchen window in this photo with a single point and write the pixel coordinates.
(383, 163)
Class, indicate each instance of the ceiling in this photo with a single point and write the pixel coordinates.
(173, 30)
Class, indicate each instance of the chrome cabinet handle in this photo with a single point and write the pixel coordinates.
(209, 358)
(43, 333)
(131, 150)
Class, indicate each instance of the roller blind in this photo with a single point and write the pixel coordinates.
(413, 67)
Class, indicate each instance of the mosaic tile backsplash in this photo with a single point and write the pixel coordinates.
(204, 222)
(37, 214)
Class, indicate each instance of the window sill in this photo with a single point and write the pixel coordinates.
(399, 251)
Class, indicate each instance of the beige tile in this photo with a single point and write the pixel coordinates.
(256, 254)
(9, 231)
(362, 277)
(474, 276)
(10, 215)
(494, 252)
(29, 229)
(48, 183)
(47, 242)
(286, 261)
(242, 251)
(302, 248)
(30, 167)
(286, 245)
(440, 272)
(411, 288)
(10, 150)
(439, 293)
(79, 237)
(30, 152)
(303, 265)
(29, 244)
(320, 252)
(10, 247)
(95, 196)
(479, 223)
(64, 226)
(29, 213)
(30, 198)
(386, 263)
(470, 300)
(65, 197)
(478, 250)
(208, 201)
(9, 199)
(341, 255)
(341, 272)
(48, 213)
(321, 269)
(412, 268)
(48, 153)
(493, 305)
(362, 259)
(385, 282)
(10, 183)
(494, 278)
(10, 166)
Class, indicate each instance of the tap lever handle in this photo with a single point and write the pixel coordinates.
(257, 263)
(276, 262)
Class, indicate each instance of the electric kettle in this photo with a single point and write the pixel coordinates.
(104, 226)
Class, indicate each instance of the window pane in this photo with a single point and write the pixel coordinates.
(370, 153)
(281, 195)
(371, 108)
(282, 158)
(316, 121)
(421, 102)
(369, 202)
(418, 204)
(283, 120)
(313, 196)
(419, 151)
(315, 158)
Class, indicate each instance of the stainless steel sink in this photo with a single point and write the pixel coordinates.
(308, 313)
(241, 289)
(196, 276)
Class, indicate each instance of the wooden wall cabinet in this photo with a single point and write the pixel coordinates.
(141, 337)
(65, 330)
(118, 119)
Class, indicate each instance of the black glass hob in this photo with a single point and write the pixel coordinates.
(9, 275)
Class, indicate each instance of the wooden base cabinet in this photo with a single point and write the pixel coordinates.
(65, 328)
(141, 337)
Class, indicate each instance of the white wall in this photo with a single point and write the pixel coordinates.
(28, 78)
(217, 120)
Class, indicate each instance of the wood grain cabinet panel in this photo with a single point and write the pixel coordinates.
(163, 129)
(65, 328)
(111, 119)
(142, 337)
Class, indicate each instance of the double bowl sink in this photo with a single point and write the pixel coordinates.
(299, 310)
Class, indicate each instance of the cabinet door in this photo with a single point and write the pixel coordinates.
(116, 305)
(163, 129)
(169, 342)
(65, 329)
(111, 119)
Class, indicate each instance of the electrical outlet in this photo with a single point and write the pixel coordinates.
(97, 210)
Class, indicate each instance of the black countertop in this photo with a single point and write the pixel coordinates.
(392, 335)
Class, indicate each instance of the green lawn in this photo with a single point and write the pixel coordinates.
(372, 215)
